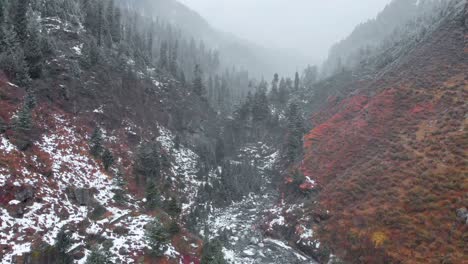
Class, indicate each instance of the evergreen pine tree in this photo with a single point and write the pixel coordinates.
(173, 59)
(33, 48)
(213, 253)
(295, 133)
(174, 228)
(148, 160)
(119, 179)
(274, 88)
(152, 195)
(30, 100)
(157, 237)
(99, 256)
(110, 16)
(23, 122)
(116, 26)
(107, 159)
(198, 87)
(63, 243)
(177, 142)
(163, 56)
(173, 207)
(12, 59)
(119, 192)
(95, 143)
(298, 177)
(296, 82)
(100, 23)
(90, 53)
(3, 125)
(20, 19)
(283, 92)
(260, 108)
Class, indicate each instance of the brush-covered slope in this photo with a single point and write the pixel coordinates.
(390, 161)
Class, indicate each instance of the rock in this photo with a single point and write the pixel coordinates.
(123, 251)
(78, 255)
(462, 214)
(254, 240)
(81, 196)
(249, 252)
(24, 195)
(261, 245)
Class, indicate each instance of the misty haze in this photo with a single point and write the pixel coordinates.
(233, 131)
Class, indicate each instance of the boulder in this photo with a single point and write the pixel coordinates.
(81, 196)
(25, 194)
(462, 214)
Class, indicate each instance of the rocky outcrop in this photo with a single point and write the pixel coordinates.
(462, 214)
(81, 196)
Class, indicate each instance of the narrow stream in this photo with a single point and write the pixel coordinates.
(238, 224)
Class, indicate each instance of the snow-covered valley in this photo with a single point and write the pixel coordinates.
(239, 225)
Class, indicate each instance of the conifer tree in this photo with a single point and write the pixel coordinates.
(3, 125)
(157, 237)
(173, 207)
(95, 143)
(107, 159)
(274, 88)
(63, 243)
(23, 123)
(173, 59)
(30, 100)
(295, 133)
(163, 56)
(33, 49)
(116, 26)
(100, 23)
(90, 53)
(198, 87)
(20, 19)
(296, 82)
(119, 192)
(148, 160)
(260, 109)
(282, 92)
(99, 256)
(213, 253)
(174, 228)
(152, 195)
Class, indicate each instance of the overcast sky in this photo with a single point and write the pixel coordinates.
(307, 27)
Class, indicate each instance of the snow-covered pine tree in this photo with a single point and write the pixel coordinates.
(157, 237)
(95, 143)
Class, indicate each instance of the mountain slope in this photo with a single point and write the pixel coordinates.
(259, 61)
(51, 180)
(389, 159)
(383, 178)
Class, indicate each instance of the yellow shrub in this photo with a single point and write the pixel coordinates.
(379, 238)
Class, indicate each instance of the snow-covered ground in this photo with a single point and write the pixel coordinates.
(238, 225)
(72, 167)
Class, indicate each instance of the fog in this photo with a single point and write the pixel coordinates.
(305, 28)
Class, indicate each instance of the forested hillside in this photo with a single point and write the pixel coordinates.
(129, 134)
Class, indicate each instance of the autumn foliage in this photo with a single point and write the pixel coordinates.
(391, 161)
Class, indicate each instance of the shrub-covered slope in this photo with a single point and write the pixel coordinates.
(385, 163)
(390, 160)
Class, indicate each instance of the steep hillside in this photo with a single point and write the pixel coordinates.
(386, 158)
(399, 18)
(95, 155)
